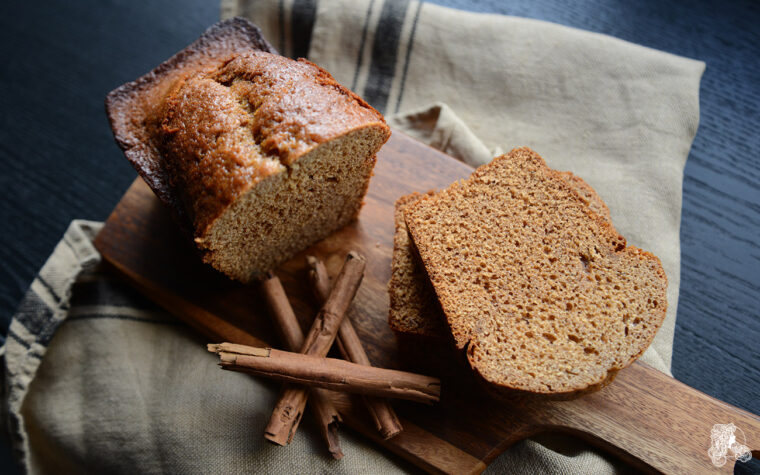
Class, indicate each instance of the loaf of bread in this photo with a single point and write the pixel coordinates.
(414, 308)
(258, 155)
(541, 292)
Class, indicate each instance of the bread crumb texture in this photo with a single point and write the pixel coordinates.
(268, 155)
(540, 290)
(414, 308)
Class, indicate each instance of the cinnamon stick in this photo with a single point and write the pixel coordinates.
(292, 401)
(386, 421)
(327, 322)
(285, 417)
(329, 373)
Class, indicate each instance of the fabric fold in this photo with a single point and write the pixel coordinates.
(439, 127)
(42, 310)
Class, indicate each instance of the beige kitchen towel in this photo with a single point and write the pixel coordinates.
(97, 378)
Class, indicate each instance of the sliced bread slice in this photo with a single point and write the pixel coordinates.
(414, 308)
(540, 291)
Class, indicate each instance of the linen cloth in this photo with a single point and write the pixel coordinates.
(98, 378)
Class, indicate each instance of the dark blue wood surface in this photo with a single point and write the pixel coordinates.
(59, 162)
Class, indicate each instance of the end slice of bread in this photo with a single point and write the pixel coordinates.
(540, 291)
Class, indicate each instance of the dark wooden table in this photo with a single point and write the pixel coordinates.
(59, 162)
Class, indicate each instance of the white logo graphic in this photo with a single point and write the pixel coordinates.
(727, 440)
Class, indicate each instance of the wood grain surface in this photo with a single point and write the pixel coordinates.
(646, 418)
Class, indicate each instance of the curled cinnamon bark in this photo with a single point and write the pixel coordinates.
(386, 421)
(328, 373)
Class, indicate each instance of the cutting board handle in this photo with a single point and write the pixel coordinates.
(655, 422)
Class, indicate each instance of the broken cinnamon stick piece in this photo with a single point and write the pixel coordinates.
(327, 420)
(386, 421)
(282, 423)
(329, 373)
(292, 400)
(290, 404)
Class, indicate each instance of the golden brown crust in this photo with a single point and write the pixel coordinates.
(132, 106)
(541, 292)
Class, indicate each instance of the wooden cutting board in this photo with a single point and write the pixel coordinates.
(648, 419)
